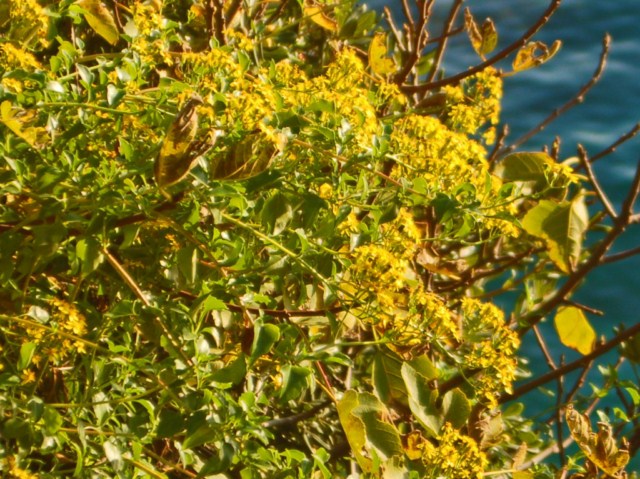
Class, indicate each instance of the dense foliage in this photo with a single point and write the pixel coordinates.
(265, 239)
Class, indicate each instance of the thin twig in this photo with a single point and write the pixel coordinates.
(582, 362)
(577, 98)
(602, 196)
(612, 258)
(611, 148)
(394, 28)
(453, 13)
(417, 42)
(544, 18)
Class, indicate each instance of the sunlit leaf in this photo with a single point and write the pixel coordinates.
(534, 54)
(100, 19)
(233, 373)
(422, 398)
(387, 379)
(316, 14)
(574, 329)
(265, 336)
(562, 226)
(527, 167)
(456, 408)
(483, 39)
(295, 379)
(378, 60)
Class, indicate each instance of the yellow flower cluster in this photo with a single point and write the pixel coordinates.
(149, 40)
(492, 348)
(475, 103)
(67, 319)
(425, 147)
(12, 57)
(16, 472)
(455, 456)
(28, 21)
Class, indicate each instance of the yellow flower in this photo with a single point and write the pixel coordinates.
(28, 376)
(325, 191)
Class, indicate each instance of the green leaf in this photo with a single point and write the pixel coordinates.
(52, 421)
(422, 399)
(295, 379)
(170, 423)
(203, 435)
(90, 254)
(113, 454)
(265, 336)
(362, 416)
(354, 428)
(100, 19)
(188, 263)
(233, 373)
(277, 213)
(562, 226)
(456, 408)
(527, 167)
(574, 329)
(387, 379)
(26, 354)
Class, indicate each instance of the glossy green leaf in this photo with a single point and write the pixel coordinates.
(574, 329)
(265, 336)
(562, 226)
(170, 423)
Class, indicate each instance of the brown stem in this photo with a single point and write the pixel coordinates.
(602, 196)
(611, 148)
(453, 13)
(582, 362)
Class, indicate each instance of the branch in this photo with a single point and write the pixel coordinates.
(611, 148)
(417, 39)
(453, 13)
(553, 6)
(584, 161)
(578, 98)
(582, 362)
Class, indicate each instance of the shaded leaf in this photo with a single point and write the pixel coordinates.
(233, 373)
(387, 379)
(529, 167)
(295, 379)
(456, 408)
(574, 329)
(378, 60)
(422, 399)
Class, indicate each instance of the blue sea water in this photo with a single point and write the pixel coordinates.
(610, 109)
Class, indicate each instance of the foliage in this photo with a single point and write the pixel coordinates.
(305, 283)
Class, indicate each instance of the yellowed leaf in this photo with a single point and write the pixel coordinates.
(317, 15)
(100, 19)
(534, 54)
(378, 60)
(574, 329)
(483, 39)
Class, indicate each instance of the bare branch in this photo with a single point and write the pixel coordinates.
(611, 148)
(544, 18)
(453, 13)
(577, 98)
(602, 196)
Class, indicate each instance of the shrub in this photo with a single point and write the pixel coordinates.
(253, 239)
